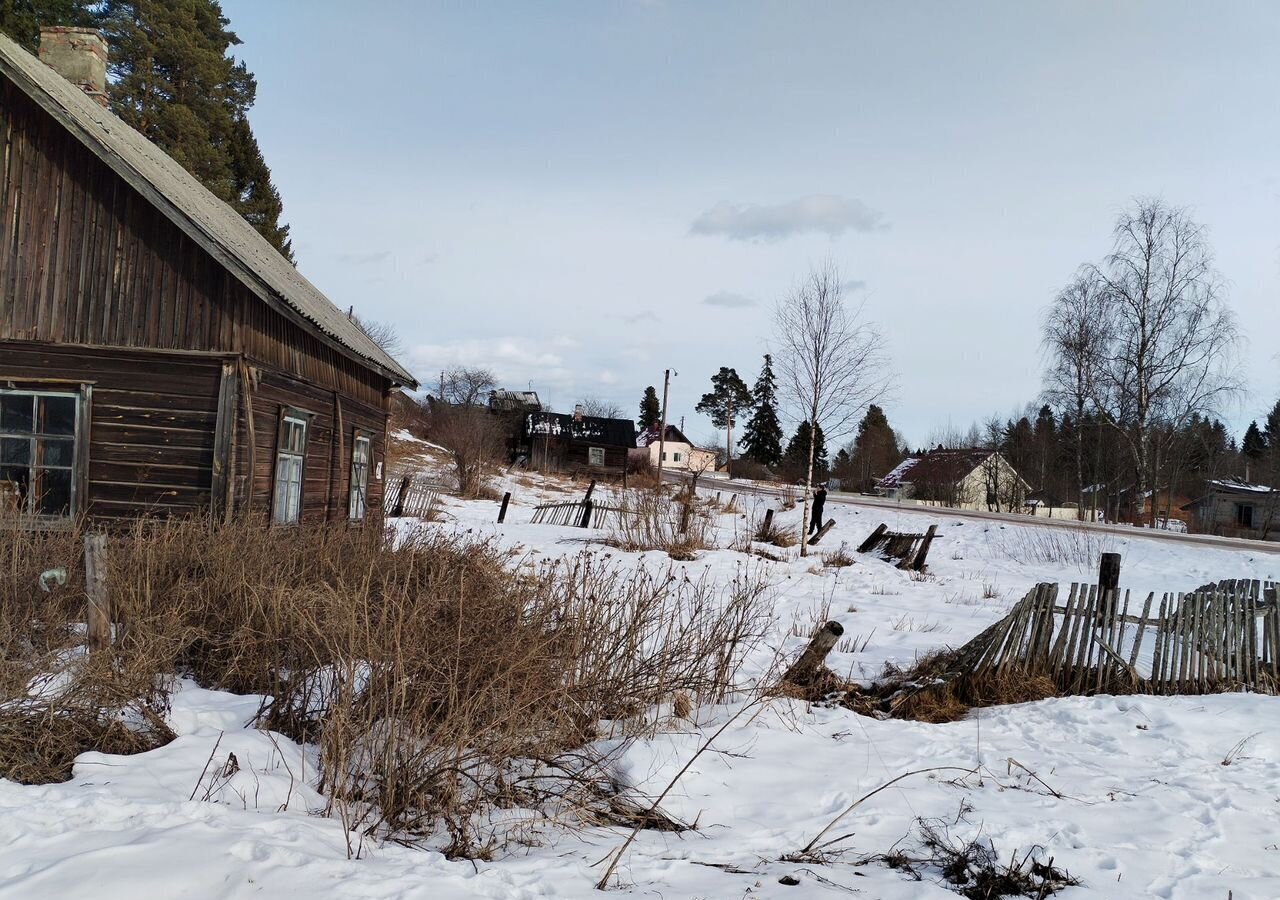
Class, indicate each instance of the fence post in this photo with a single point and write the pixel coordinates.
(763, 533)
(398, 510)
(814, 655)
(98, 608)
(502, 513)
(587, 506)
(1108, 582)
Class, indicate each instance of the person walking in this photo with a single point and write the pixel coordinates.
(819, 500)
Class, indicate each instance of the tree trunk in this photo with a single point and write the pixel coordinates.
(808, 488)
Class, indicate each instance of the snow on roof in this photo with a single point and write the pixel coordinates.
(1242, 487)
(935, 467)
(206, 219)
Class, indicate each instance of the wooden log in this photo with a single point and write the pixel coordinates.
(98, 608)
(822, 532)
(502, 511)
(806, 667)
(587, 507)
(590, 490)
(922, 554)
(1108, 581)
(872, 540)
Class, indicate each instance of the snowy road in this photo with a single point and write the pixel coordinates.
(862, 500)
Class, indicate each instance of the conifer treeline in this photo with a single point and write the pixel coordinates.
(174, 80)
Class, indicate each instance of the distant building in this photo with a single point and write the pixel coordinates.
(558, 442)
(1237, 509)
(677, 451)
(502, 401)
(972, 478)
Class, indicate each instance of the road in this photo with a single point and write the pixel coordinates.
(862, 500)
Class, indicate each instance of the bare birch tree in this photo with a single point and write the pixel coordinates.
(832, 363)
(1169, 342)
(1073, 338)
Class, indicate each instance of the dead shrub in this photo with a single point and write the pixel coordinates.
(647, 520)
(839, 558)
(438, 677)
(972, 867)
(475, 441)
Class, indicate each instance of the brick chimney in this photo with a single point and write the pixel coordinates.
(78, 55)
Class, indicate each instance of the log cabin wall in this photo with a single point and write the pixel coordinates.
(87, 263)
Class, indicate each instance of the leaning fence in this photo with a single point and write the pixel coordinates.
(413, 496)
(572, 513)
(1220, 637)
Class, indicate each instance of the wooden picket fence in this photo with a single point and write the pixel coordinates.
(1220, 637)
(571, 513)
(412, 495)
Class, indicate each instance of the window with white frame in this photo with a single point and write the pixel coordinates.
(357, 503)
(595, 456)
(38, 452)
(291, 450)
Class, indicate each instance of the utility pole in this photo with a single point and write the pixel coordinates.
(662, 432)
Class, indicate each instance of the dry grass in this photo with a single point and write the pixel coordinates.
(840, 557)
(648, 520)
(1077, 546)
(439, 679)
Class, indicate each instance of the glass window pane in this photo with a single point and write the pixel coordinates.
(15, 450)
(57, 453)
(55, 492)
(57, 415)
(16, 412)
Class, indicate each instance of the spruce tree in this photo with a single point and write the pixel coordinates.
(1254, 445)
(875, 450)
(177, 84)
(795, 460)
(762, 435)
(650, 409)
(1271, 428)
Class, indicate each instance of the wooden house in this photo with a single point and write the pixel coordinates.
(157, 355)
(1237, 509)
(973, 478)
(577, 443)
(677, 452)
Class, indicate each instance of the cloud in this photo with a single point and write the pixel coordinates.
(729, 300)
(824, 213)
(364, 259)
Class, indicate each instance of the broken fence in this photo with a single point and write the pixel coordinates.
(1218, 638)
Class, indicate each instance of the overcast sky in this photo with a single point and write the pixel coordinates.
(581, 195)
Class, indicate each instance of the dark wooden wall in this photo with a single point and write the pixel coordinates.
(94, 280)
(151, 428)
(85, 260)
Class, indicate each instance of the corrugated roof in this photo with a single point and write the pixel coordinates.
(191, 206)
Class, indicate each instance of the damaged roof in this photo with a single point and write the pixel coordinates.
(611, 432)
(206, 219)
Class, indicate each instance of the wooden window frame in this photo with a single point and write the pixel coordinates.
(358, 435)
(81, 395)
(287, 414)
(591, 453)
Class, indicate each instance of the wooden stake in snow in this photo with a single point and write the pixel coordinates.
(502, 513)
(822, 643)
(98, 608)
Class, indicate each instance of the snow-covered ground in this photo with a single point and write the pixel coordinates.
(1135, 796)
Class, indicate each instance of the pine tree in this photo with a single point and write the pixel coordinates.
(762, 436)
(650, 409)
(795, 460)
(22, 19)
(176, 83)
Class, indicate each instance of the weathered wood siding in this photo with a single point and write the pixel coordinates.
(94, 280)
(150, 440)
(84, 259)
(327, 465)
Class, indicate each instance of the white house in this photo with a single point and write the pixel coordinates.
(677, 451)
(964, 479)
